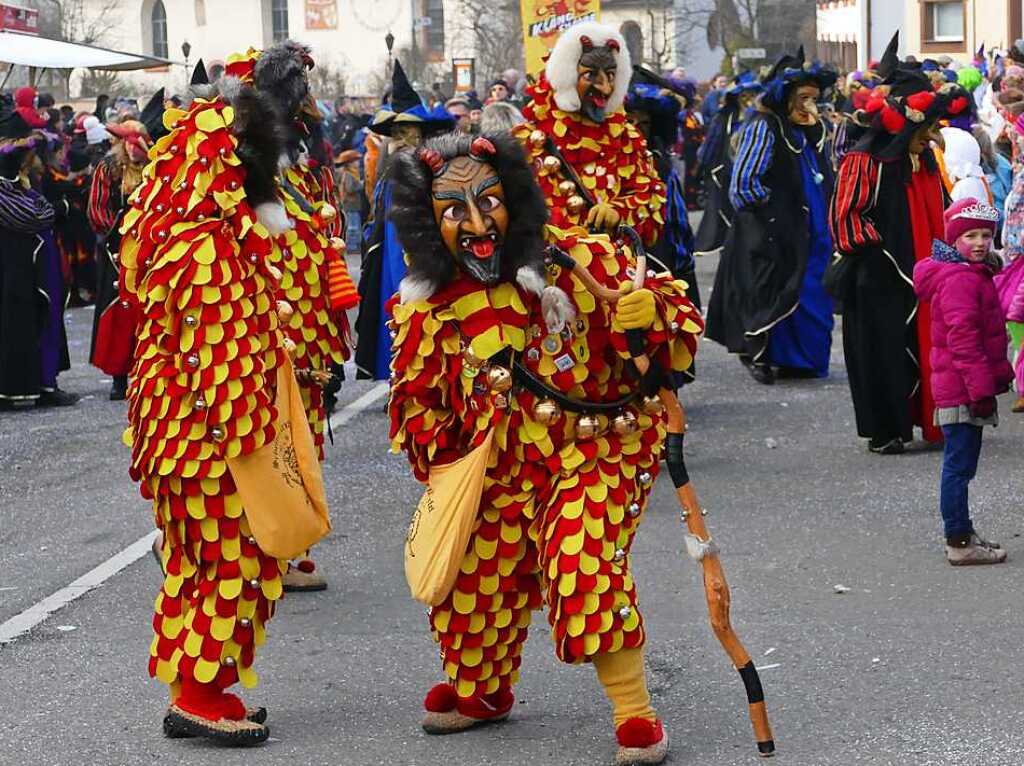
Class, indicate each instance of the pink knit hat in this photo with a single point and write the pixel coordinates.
(969, 214)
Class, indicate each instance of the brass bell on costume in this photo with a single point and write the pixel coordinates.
(471, 359)
(552, 164)
(566, 187)
(499, 379)
(338, 244)
(538, 137)
(328, 213)
(547, 412)
(587, 426)
(284, 311)
(290, 347)
(575, 204)
(624, 423)
(652, 405)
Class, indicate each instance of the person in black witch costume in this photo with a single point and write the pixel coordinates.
(33, 344)
(66, 186)
(653, 105)
(716, 158)
(113, 181)
(768, 303)
(406, 124)
(886, 212)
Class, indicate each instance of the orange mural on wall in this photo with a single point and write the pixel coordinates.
(544, 20)
(321, 14)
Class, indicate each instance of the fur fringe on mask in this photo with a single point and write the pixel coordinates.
(259, 128)
(431, 266)
(561, 67)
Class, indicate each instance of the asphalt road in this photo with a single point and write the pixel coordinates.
(917, 664)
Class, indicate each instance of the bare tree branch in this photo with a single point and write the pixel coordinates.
(88, 21)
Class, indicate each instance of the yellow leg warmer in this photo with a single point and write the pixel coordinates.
(622, 675)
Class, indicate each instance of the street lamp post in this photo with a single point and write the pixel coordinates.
(389, 40)
(186, 49)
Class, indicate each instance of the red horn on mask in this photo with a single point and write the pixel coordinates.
(433, 160)
(481, 148)
(612, 45)
(586, 42)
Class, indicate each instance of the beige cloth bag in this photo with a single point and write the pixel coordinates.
(444, 519)
(280, 483)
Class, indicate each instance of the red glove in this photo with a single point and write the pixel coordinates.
(983, 408)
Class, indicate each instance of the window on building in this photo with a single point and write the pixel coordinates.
(434, 30)
(279, 20)
(158, 29)
(942, 21)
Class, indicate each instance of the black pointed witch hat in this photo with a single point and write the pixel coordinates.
(407, 107)
(152, 116)
(199, 75)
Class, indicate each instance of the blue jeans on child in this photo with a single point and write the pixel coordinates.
(959, 465)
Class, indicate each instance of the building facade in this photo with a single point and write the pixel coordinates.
(958, 28)
(853, 33)
(347, 36)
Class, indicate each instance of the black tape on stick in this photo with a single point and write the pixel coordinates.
(752, 682)
(675, 461)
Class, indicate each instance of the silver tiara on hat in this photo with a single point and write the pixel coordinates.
(979, 211)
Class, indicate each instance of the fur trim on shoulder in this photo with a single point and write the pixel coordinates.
(274, 217)
(412, 289)
(561, 66)
(557, 308)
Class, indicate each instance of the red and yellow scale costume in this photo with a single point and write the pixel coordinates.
(303, 255)
(203, 387)
(611, 159)
(558, 513)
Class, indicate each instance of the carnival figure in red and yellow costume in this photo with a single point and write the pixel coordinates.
(309, 252)
(196, 255)
(499, 330)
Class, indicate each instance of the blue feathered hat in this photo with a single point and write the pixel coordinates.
(745, 82)
(407, 107)
(790, 72)
(659, 97)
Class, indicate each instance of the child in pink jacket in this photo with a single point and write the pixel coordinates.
(969, 364)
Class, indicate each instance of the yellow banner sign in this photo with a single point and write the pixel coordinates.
(321, 14)
(543, 22)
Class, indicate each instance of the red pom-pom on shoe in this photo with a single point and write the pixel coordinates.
(233, 708)
(306, 566)
(639, 733)
(441, 699)
(487, 706)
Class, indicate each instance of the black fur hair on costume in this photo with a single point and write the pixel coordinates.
(280, 73)
(259, 128)
(431, 266)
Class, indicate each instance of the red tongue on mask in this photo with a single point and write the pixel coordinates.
(599, 101)
(482, 248)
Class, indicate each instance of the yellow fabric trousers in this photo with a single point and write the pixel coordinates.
(622, 675)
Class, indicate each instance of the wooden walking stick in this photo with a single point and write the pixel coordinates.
(699, 544)
(702, 548)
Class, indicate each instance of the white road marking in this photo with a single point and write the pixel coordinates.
(769, 667)
(349, 411)
(22, 623)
